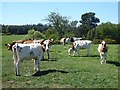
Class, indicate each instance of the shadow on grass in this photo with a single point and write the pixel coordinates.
(51, 59)
(41, 73)
(117, 64)
(86, 56)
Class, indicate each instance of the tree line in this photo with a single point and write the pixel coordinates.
(59, 26)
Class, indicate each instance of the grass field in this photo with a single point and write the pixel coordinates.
(62, 71)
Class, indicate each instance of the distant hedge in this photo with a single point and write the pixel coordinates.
(108, 40)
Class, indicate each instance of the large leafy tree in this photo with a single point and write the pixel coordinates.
(58, 22)
(89, 22)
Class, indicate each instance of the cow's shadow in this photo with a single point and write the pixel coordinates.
(45, 72)
(86, 56)
(51, 59)
(117, 64)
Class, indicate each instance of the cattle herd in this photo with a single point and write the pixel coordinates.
(34, 49)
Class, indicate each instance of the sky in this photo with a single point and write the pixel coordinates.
(22, 13)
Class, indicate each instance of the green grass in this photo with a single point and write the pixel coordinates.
(62, 71)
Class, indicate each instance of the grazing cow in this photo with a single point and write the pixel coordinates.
(77, 45)
(62, 40)
(69, 40)
(27, 51)
(102, 49)
(65, 40)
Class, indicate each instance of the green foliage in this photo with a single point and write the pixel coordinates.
(91, 34)
(59, 23)
(69, 34)
(51, 34)
(110, 41)
(96, 41)
(89, 20)
(108, 30)
(22, 29)
(34, 35)
(59, 26)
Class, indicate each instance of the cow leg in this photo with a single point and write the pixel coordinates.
(63, 44)
(38, 69)
(48, 53)
(43, 56)
(18, 68)
(101, 59)
(78, 51)
(105, 57)
(69, 52)
(88, 51)
(35, 64)
(74, 53)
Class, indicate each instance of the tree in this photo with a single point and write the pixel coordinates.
(58, 22)
(73, 24)
(108, 30)
(89, 22)
(51, 34)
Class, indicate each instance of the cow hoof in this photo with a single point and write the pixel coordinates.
(17, 75)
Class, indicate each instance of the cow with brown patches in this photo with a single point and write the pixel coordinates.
(103, 49)
(27, 51)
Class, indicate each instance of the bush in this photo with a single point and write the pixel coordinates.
(56, 42)
(32, 34)
(51, 34)
(108, 40)
(96, 41)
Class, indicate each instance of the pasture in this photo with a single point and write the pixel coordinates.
(62, 71)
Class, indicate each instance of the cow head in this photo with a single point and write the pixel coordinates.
(67, 40)
(46, 44)
(9, 45)
(104, 48)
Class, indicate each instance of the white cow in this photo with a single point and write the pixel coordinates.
(77, 45)
(102, 49)
(27, 51)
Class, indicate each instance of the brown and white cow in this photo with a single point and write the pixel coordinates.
(45, 44)
(27, 51)
(77, 45)
(103, 49)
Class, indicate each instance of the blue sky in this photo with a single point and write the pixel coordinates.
(21, 13)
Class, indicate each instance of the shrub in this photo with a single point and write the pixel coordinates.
(110, 41)
(34, 35)
(96, 41)
(51, 33)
